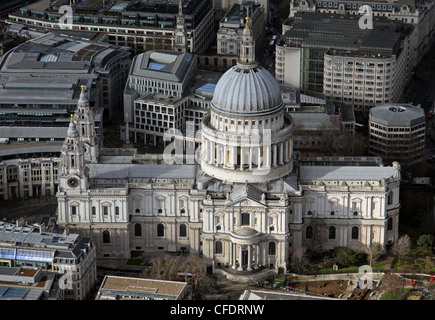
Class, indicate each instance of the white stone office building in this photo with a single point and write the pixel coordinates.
(247, 204)
(165, 91)
(229, 35)
(72, 255)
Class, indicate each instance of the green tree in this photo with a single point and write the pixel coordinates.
(426, 241)
(345, 257)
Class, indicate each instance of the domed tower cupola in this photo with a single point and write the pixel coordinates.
(72, 155)
(247, 134)
(85, 120)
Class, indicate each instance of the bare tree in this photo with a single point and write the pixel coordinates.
(299, 258)
(402, 246)
(372, 251)
(319, 235)
(167, 267)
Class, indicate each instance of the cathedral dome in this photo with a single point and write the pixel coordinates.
(247, 90)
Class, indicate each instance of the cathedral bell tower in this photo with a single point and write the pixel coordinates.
(180, 43)
(247, 46)
(84, 118)
(72, 175)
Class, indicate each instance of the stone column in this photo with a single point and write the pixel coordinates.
(259, 157)
(230, 262)
(234, 255)
(274, 155)
(240, 258)
(234, 151)
(251, 157)
(213, 152)
(242, 156)
(268, 156)
(249, 258)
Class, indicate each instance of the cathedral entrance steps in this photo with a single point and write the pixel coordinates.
(244, 275)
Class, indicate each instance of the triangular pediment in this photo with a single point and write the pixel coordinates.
(245, 202)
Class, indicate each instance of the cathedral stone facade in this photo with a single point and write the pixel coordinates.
(246, 205)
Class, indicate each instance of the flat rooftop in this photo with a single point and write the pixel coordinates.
(125, 171)
(163, 65)
(141, 287)
(364, 173)
(397, 115)
(342, 32)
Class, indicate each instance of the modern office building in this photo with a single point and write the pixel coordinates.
(397, 133)
(127, 288)
(364, 80)
(165, 91)
(72, 258)
(28, 283)
(142, 25)
(246, 205)
(315, 38)
(420, 14)
(46, 73)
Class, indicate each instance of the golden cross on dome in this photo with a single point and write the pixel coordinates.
(247, 18)
(83, 88)
(72, 117)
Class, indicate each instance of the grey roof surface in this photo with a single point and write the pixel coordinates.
(33, 132)
(41, 241)
(175, 65)
(121, 171)
(50, 69)
(321, 30)
(400, 115)
(345, 173)
(312, 121)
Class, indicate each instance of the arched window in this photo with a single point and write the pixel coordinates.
(106, 236)
(272, 248)
(218, 247)
(160, 230)
(355, 233)
(137, 230)
(390, 224)
(183, 230)
(331, 235)
(309, 232)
